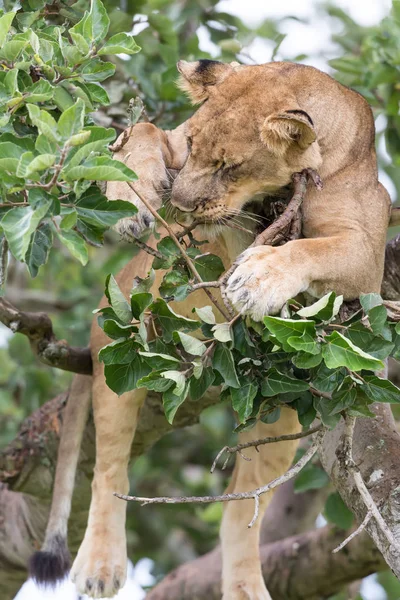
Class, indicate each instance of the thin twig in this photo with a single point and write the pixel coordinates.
(187, 258)
(261, 442)
(148, 249)
(254, 494)
(57, 171)
(355, 533)
(204, 284)
(360, 484)
(3, 263)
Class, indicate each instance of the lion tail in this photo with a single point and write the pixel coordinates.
(52, 563)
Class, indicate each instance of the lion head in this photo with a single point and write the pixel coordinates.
(247, 138)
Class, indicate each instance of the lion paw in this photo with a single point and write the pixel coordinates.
(131, 228)
(100, 567)
(263, 281)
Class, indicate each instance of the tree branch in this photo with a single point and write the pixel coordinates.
(39, 330)
(391, 279)
(296, 568)
(253, 494)
(375, 451)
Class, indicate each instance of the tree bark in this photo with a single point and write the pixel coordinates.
(376, 452)
(296, 568)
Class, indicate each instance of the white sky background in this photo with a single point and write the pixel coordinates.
(311, 38)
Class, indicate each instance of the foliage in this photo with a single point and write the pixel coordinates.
(51, 152)
(312, 361)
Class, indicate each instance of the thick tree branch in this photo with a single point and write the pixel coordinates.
(39, 330)
(375, 453)
(296, 568)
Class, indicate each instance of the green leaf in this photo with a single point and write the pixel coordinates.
(179, 379)
(206, 314)
(99, 21)
(123, 378)
(19, 223)
(5, 24)
(175, 284)
(306, 361)
(94, 208)
(222, 332)
(324, 408)
(365, 339)
(223, 363)
(118, 301)
(343, 398)
(39, 163)
(120, 351)
(160, 361)
(155, 382)
(278, 383)
(327, 380)
(169, 321)
(191, 345)
(75, 244)
(198, 387)
(209, 267)
(121, 42)
(380, 390)
(310, 478)
(69, 218)
(39, 247)
(71, 120)
(98, 141)
(79, 42)
(242, 400)
(324, 309)
(140, 302)
(43, 121)
(173, 401)
(283, 329)
(369, 301)
(341, 352)
(100, 168)
(337, 513)
(305, 409)
(304, 343)
(41, 91)
(93, 72)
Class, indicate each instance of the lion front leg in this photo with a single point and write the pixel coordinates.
(266, 277)
(100, 567)
(151, 153)
(241, 568)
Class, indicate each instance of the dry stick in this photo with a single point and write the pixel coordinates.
(148, 249)
(187, 258)
(355, 533)
(360, 485)
(255, 443)
(3, 262)
(254, 494)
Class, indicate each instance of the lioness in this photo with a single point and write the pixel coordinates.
(256, 126)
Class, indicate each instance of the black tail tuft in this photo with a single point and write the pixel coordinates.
(50, 565)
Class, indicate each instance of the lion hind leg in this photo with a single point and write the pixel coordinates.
(241, 571)
(52, 563)
(99, 569)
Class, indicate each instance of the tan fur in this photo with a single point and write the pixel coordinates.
(259, 125)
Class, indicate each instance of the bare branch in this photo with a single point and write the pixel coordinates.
(254, 494)
(391, 279)
(255, 443)
(148, 249)
(354, 534)
(39, 330)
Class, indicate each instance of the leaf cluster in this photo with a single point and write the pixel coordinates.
(311, 362)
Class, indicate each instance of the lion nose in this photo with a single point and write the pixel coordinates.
(187, 206)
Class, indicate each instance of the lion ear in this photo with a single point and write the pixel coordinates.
(197, 77)
(281, 130)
